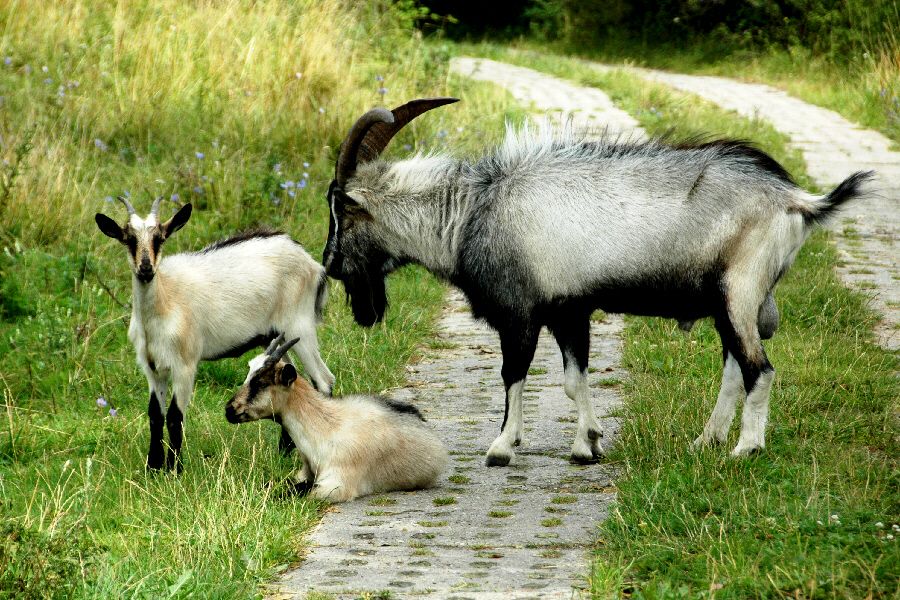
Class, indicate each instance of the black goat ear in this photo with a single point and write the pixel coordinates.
(287, 375)
(109, 227)
(177, 221)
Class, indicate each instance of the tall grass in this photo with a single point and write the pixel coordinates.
(236, 107)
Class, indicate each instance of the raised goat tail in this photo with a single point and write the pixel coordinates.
(817, 213)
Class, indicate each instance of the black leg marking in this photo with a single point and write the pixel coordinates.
(174, 421)
(285, 443)
(517, 345)
(155, 453)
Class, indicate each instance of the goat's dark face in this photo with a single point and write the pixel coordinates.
(354, 256)
(264, 392)
(143, 238)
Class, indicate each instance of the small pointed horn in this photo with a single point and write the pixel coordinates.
(274, 344)
(154, 210)
(127, 204)
(368, 139)
(276, 354)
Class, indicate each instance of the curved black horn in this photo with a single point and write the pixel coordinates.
(127, 204)
(346, 162)
(374, 137)
(274, 344)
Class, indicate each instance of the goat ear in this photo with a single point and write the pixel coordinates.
(287, 375)
(178, 220)
(109, 227)
(352, 208)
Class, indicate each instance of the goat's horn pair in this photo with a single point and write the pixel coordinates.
(371, 133)
(277, 350)
(127, 204)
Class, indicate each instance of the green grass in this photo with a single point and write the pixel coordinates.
(688, 523)
(144, 89)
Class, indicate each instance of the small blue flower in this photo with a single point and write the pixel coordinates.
(287, 185)
(101, 402)
(174, 197)
(7, 61)
(199, 155)
(113, 412)
(305, 175)
(100, 144)
(276, 201)
(322, 110)
(109, 199)
(199, 190)
(277, 168)
(379, 78)
(442, 133)
(292, 193)
(407, 147)
(48, 81)
(382, 90)
(301, 184)
(127, 194)
(306, 165)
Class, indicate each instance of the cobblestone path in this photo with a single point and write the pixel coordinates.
(867, 231)
(523, 531)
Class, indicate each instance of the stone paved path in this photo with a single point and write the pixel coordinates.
(868, 232)
(524, 531)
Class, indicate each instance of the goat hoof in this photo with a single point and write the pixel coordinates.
(155, 461)
(581, 459)
(494, 460)
(594, 434)
(746, 452)
(518, 442)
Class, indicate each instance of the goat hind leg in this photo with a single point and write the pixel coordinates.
(732, 390)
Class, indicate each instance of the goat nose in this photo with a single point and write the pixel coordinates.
(145, 264)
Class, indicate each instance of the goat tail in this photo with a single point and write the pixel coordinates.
(321, 296)
(818, 212)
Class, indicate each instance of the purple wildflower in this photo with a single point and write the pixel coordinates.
(407, 147)
(292, 193)
(199, 155)
(306, 165)
(301, 184)
(48, 81)
(277, 168)
(379, 78)
(109, 199)
(101, 402)
(7, 61)
(113, 412)
(382, 90)
(100, 145)
(175, 197)
(199, 190)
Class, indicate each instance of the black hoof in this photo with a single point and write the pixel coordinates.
(583, 460)
(173, 462)
(594, 435)
(155, 461)
(497, 461)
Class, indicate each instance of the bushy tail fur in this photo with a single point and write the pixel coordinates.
(853, 187)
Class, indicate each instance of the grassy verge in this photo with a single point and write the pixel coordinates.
(236, 107)
(810, 517)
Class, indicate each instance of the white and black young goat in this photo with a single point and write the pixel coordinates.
(550, 227)
(230, 297)
(351, 446)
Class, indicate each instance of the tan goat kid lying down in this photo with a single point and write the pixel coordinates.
(351, 446)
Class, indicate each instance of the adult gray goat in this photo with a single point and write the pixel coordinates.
(550, 227)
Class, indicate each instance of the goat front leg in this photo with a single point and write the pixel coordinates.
(308, 351)
(518, 351)
(158, 391)
(183, 384)
(572, 333)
